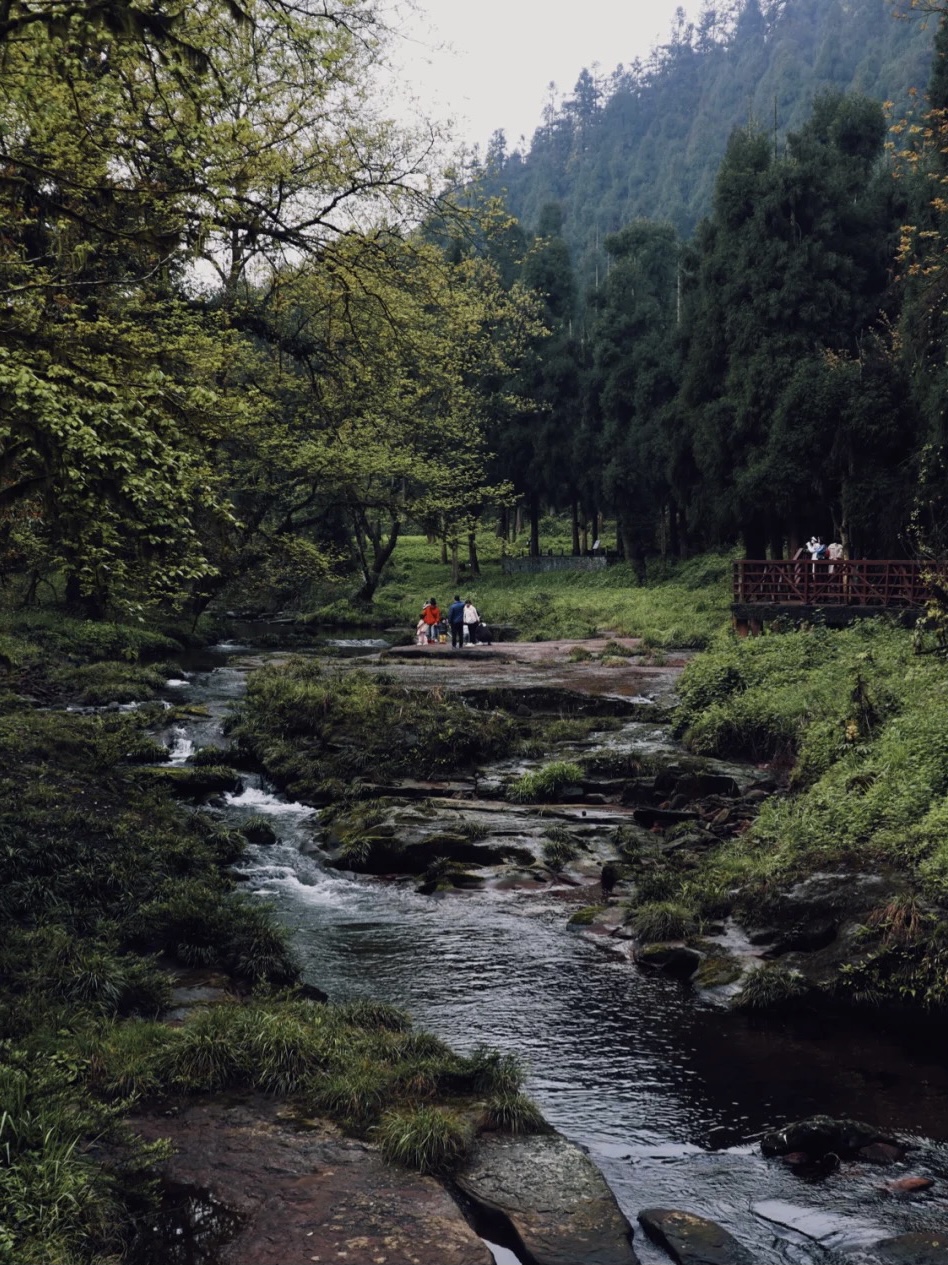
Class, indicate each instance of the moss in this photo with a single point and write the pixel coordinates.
(587, 915)
(716, 970)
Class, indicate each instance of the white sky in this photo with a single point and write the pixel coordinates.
(487, 63)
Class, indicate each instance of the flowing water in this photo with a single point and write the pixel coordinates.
(665, 1091)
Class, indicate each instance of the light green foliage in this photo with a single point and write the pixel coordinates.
(862, 724)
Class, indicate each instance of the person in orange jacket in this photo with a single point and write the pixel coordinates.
(432, 616)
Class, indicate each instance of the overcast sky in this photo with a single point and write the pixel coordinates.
(500, 55)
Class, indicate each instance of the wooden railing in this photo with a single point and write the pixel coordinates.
(861, 582)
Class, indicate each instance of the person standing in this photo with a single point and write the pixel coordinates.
(471, 621)
(456, 622)
(432, 617)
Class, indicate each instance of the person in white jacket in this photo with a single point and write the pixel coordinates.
(471, 621)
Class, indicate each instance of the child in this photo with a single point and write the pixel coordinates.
(421, 633)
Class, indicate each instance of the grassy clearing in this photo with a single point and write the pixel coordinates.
(681, 606)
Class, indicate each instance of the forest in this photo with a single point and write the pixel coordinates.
(252, 331)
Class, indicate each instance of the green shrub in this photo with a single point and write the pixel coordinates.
(490, 1072)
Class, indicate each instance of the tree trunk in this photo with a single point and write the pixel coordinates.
(374, 565)
(455, 569)
(444, 552)
(473, 564)
(575, 512)
(534, 528)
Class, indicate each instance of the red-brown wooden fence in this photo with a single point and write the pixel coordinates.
(858, 582)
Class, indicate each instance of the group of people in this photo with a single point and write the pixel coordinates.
(461, 621)
(820, 552)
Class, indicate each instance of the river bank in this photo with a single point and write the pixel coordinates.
(290, 870)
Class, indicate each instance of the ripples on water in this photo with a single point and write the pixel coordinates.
(666, 1093)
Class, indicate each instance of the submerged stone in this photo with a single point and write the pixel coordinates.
(543, 1191)
(918, 1248)
(693, 1240)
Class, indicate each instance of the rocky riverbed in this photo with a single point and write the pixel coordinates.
(637, 801)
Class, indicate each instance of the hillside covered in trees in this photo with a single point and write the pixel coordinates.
(646, 140)
(782, 370)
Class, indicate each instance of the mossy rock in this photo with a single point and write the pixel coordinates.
(677, 960)
(187, 783)
(586, 916)
(716, 970)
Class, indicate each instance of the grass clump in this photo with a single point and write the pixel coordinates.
(772, 987)
(428, 1139)
(514, 1113)
(558, 851)
(546, 784)
(663, 920)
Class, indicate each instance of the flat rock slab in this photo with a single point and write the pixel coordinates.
(924, 1248)
(692, 1240)
(308, 1194)
(553, 1197)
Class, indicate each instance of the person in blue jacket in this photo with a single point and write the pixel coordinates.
(456, 622)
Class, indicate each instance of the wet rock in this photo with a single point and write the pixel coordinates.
(309, 1194)
(803, 938)
(881, 1153)
(819, 1135)
(553, 1199)
(839, 1235)
(908, 1185)
(677, 960)
(692, 1240)
(919, 1248)
(259, 832)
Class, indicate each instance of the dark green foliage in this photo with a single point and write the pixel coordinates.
(645, 141)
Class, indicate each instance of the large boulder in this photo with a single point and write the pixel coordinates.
(820, 1135)
(548, 1196)
(692, 1240)
(294, 1193)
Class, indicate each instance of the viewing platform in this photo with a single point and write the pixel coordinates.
(840, 590)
